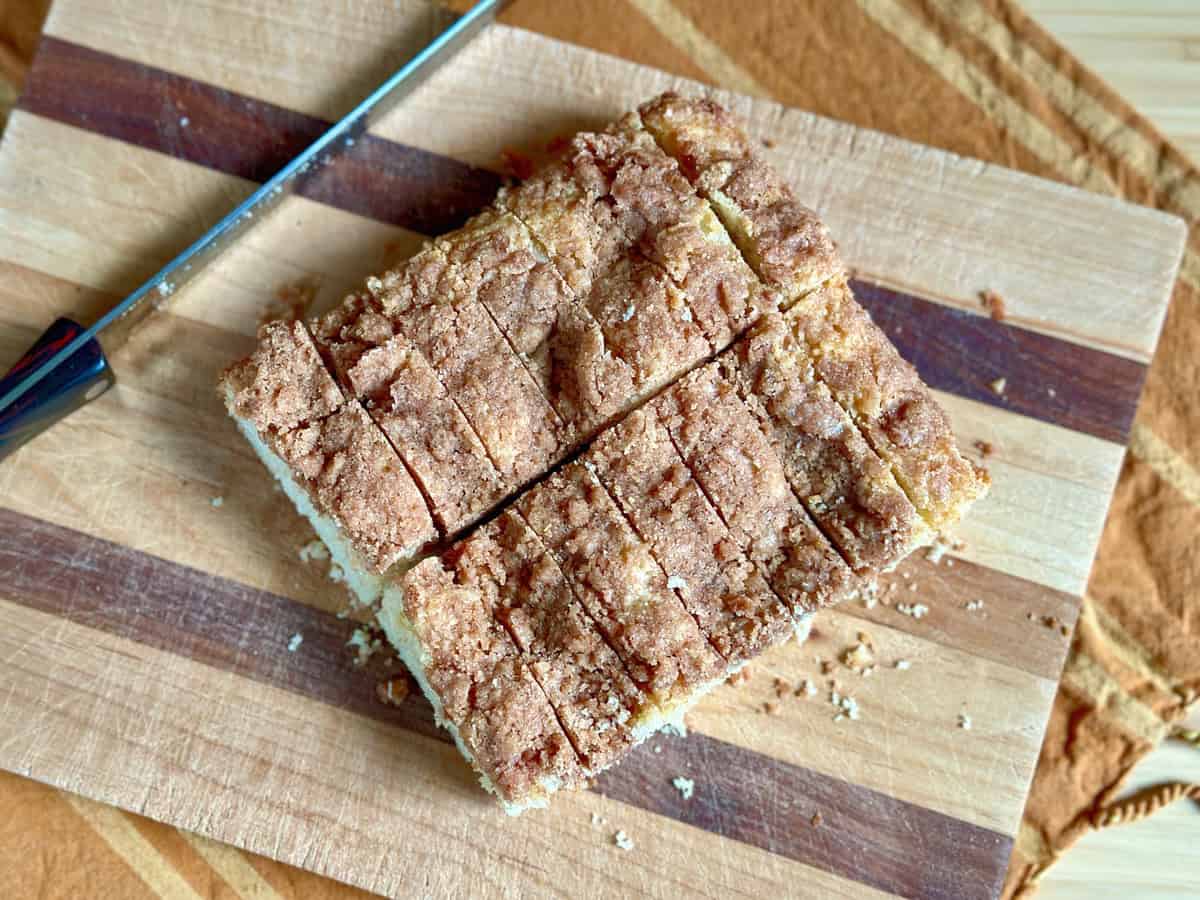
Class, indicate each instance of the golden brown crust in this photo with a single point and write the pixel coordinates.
(283, 383)
(487, 691)
(846, 488)
(621, 586)
(735, 609)
(733, 462)
(583, 678)
(646, 322)
(785, 243)
(434, 303)
(433, 437)
(355, 477)
(895, 410)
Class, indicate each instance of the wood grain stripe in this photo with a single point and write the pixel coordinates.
(1086, 390)
(744, 795)
(249, 138)
(1081, 388)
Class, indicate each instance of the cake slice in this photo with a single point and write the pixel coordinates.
(585, 681)
(482, 692)
(848, 490)
(735, 608)
(734, 464)
(791, 252)
(434, 303)
(329, 457)
(624, 591)
(889, 403)
(403, 395)
(785, 243)
(662, 214)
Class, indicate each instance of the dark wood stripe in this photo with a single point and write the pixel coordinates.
(249, 138)
(1049, 379)
(865, 836)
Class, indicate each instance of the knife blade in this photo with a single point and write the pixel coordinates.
(67, 368)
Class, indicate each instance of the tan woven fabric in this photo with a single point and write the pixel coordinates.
(974, 76)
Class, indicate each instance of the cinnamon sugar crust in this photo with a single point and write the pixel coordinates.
(432, 435)
(354, 476)
(735, 465)
(885, 396)
(485, 690)
(647, 323)
(582, 677)
(283, 383)
(785, 243)
(435, 304)
(623, 589)
(846, 488)
(734, 607)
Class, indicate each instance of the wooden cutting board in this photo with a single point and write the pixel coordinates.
(144, 648)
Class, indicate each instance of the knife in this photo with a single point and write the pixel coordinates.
(67, 368)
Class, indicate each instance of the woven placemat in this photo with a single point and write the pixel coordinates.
(977, 77)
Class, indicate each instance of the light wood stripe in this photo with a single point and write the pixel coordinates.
(1167, 463)
(974, 84)
(139, 854)
(233, 867)
(703, 51)
(876, 192)
(325, 788)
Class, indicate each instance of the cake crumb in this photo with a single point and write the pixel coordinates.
(741, 676)
(685, 786)
(392, 692)
(936, 551)
(807, 688)
(314, 549)
(622, 840)
(679, 729)
(294, 642)
(903, 665)
(658, 749)
(217, 502)
(1053, 393)
(817, 819)
(870, 596)
(337, 574)
(365, 646)
(964, 721)
(998, 386)
(826, 667)
(597, 819)
(1064, 630)
(628, 314)
(676, 583)
(994, 304)
(915, 610)
(771, 708)
(184, 121)
(985, 448)
(769, 143)
(858, 658)
(781, 687)
(974, 605)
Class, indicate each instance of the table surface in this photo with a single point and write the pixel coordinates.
(1149, 50)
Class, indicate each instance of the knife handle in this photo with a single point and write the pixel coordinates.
(78, 380)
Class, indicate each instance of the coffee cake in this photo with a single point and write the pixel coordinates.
(599, 447)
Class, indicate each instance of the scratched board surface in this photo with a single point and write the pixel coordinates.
(144, 648)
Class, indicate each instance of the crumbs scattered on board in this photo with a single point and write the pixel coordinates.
(294, 642)
(817, 819)
(314, 549)
(365, 646)
(685, 786)
(623, 841)
(964, 721)
(998, 386)
(394, 691)
(994, 304)
(985, 448)
(913, 610)
(597, 819)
